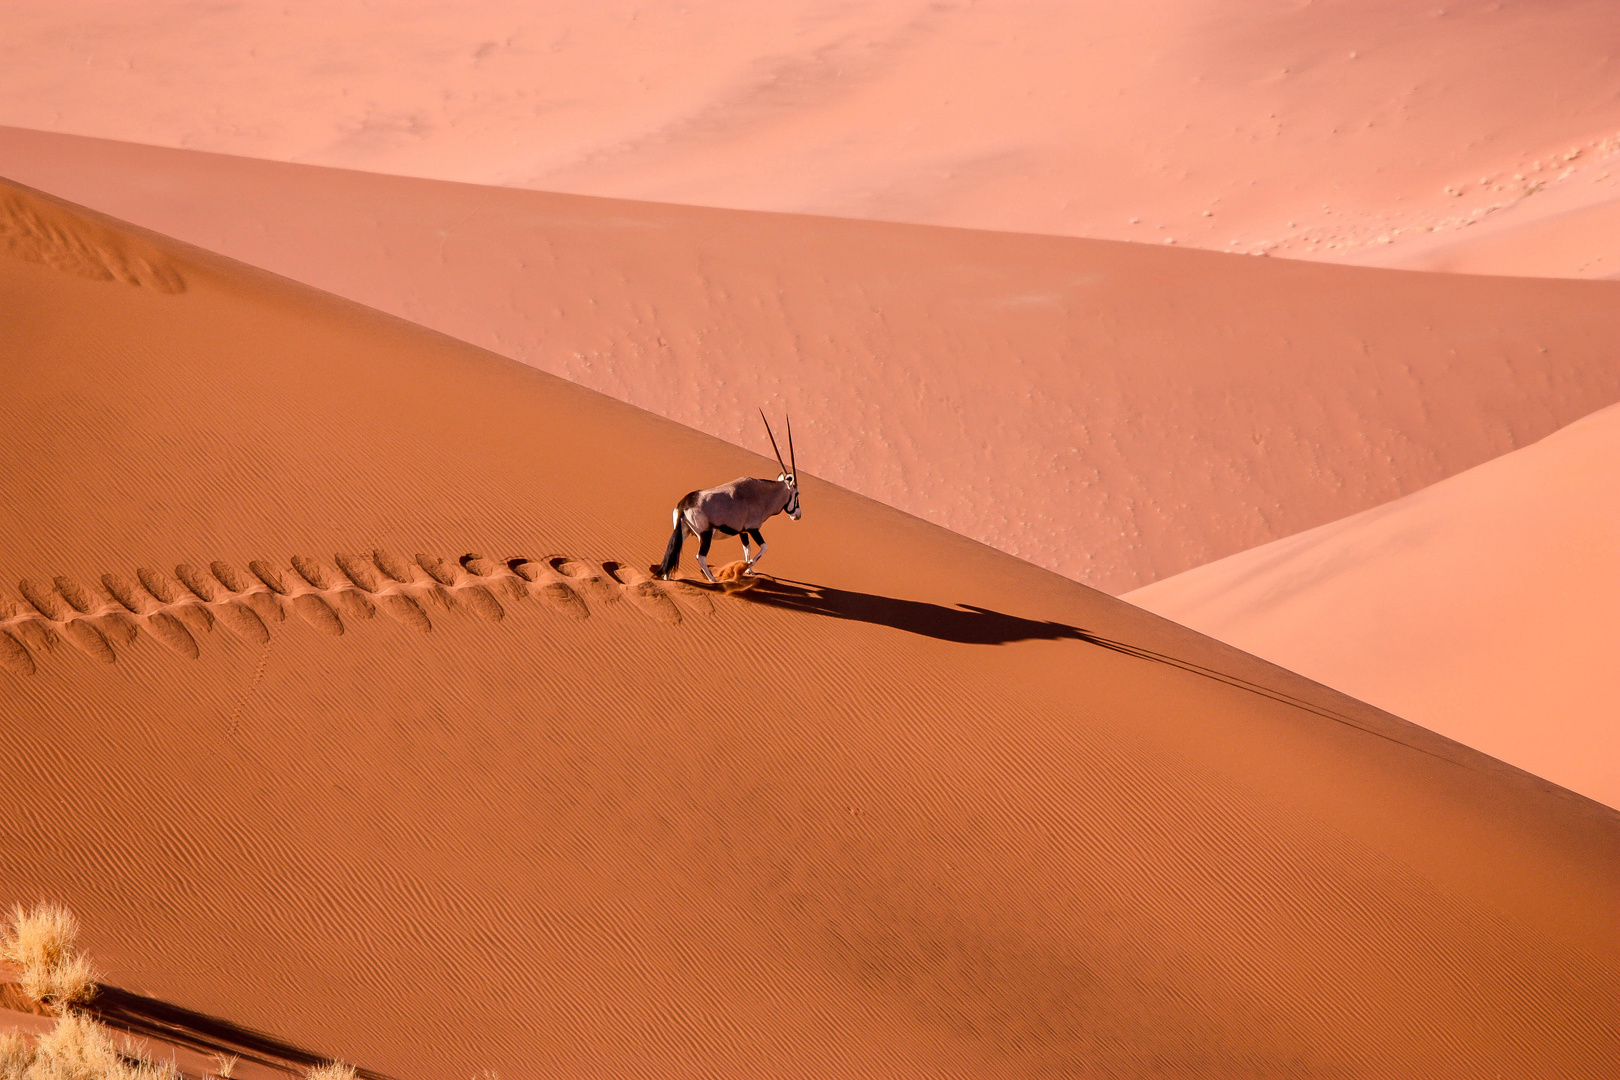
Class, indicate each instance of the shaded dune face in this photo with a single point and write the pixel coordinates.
(1114, 412)
(943, 813)
(1333, 129)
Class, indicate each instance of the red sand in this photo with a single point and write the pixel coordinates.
(1483, 607)
(938, 814)
(550, 817)
(1117, 413)
(1314, 130)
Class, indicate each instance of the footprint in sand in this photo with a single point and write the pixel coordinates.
(360, 572)
(144, 605)
(459, 585)
(232, 614)
(341, 594)
(190, 610)
(645, 592)
(14, 657)
(555, 591)
(73, 627)
(395, 602)
(263, 601)
(179, 611)
(307, 604)
(589, 581)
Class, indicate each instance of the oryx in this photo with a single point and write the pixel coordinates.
(737, 508)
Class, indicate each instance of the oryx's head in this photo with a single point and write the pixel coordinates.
(790, 468)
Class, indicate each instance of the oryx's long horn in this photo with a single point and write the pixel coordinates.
(793, 459)
(773, 441)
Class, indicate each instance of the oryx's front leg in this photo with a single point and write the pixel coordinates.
(748, 563)
(705, 538)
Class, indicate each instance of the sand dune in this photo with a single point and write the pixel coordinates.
(1482, 607)
(1323, 130)
(458, 788)
(1117, 413)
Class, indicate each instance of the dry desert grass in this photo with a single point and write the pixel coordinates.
(77, 1048)
(42, 944)
(331, 1071)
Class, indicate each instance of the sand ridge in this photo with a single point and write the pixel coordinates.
(54, 235)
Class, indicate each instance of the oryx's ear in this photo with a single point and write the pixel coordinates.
(773, 440)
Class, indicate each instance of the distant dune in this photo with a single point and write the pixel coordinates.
(1483, 607)
(1115, 412)
(338, 705)
(1581, 239)
(1339, 129)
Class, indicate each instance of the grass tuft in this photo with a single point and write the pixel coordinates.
(72, 982)
(43, 944)
(16, 1055)
(77, 1047)
(40, 938)
(332, 1070)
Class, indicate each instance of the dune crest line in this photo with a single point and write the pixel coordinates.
(178, 607)
(50, 233)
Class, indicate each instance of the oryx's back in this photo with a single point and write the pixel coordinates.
(749, 491)
(743, 503)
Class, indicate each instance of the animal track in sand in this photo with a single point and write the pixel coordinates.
(178, 610)
(41, 231)
(645, 592)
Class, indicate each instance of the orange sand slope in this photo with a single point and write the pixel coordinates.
(912, 808)
(1483, 607)
(1116, 413)
(1326, 130)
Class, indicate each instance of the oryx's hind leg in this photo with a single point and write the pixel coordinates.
(705, 538)
(758, 539)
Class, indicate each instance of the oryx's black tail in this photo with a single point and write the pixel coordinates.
(672, 552)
